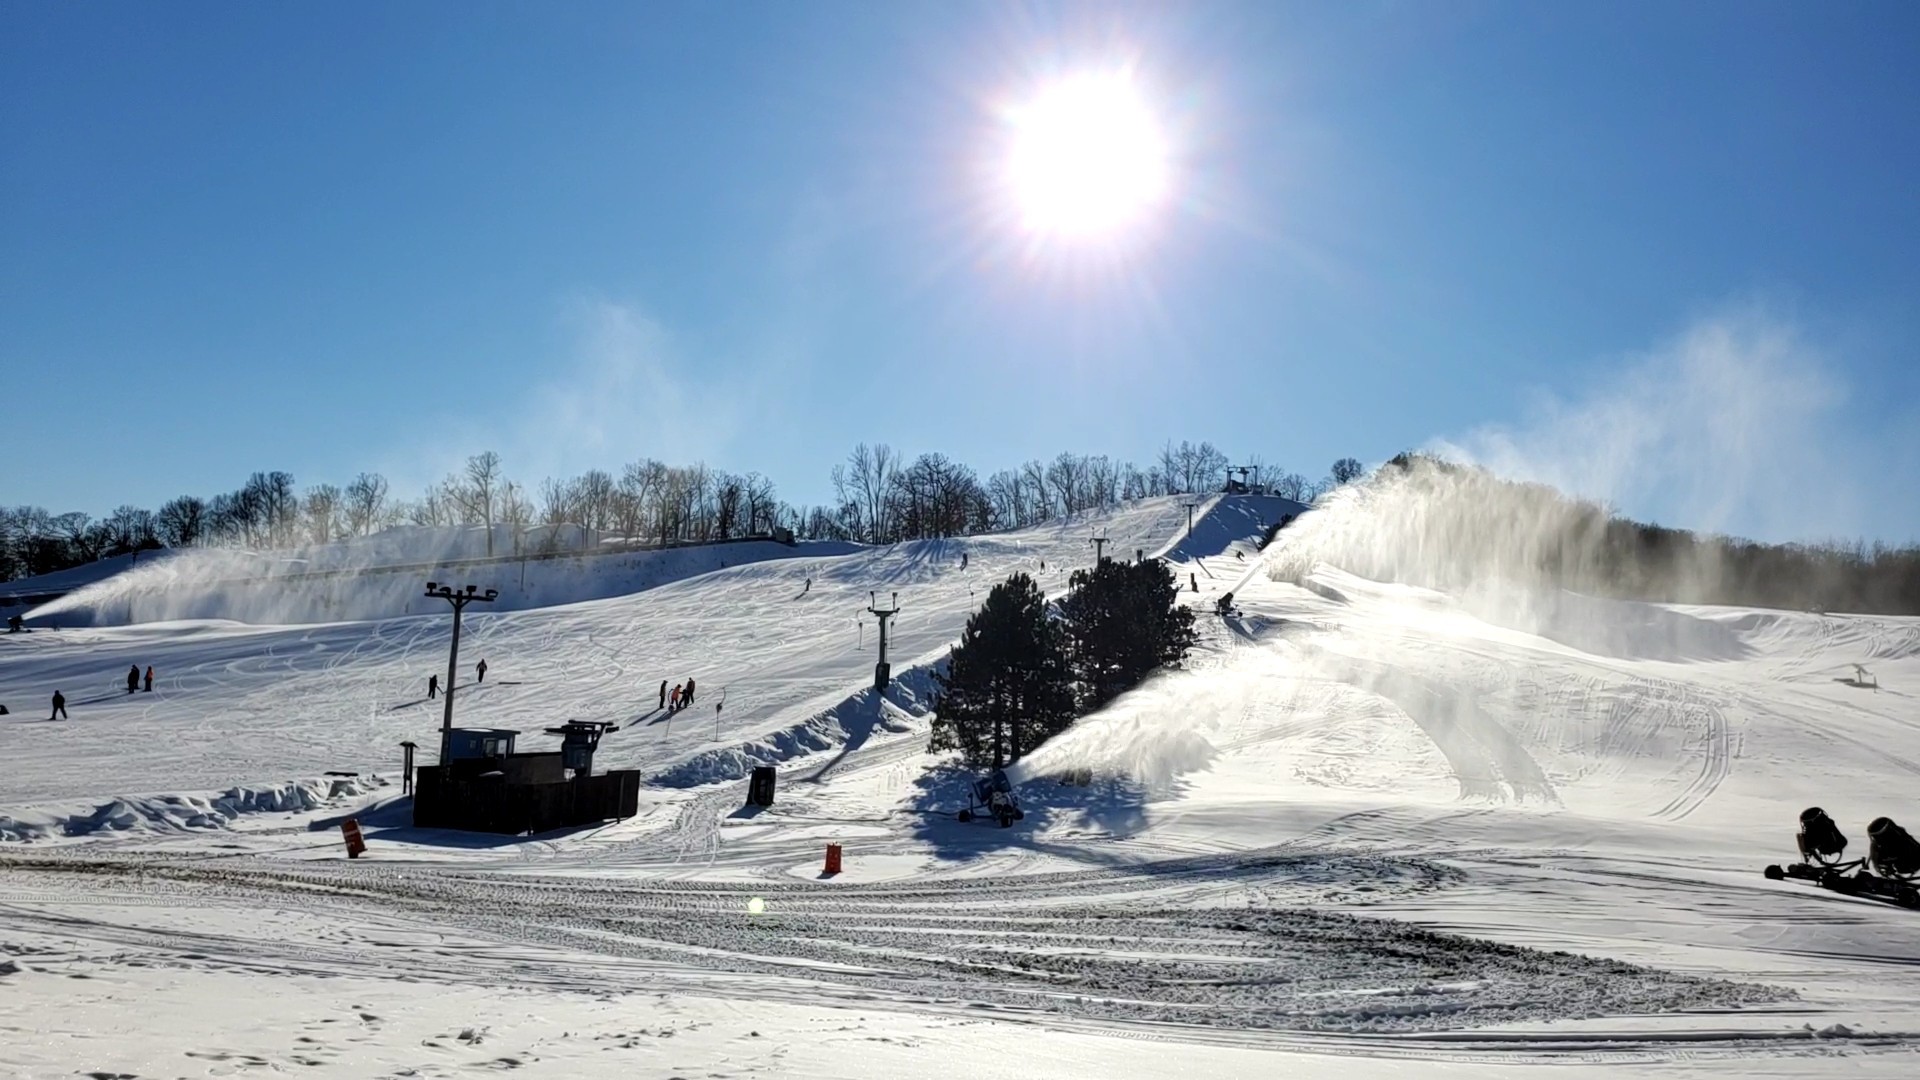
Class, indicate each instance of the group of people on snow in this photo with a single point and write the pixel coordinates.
(433, 681)
(678, 698)
(137, 682)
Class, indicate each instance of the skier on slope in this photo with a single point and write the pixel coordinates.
(663, 693)
(149, 681)
(673, 699)
(687, 698)
(133, 678)
(433, 687)
(59, 707)
(481, 671)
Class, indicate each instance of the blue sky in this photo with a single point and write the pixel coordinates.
(327, 238)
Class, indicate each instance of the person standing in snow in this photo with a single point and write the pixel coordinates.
(59, 706)
(481, 671)
(433, 687)
(673, 699)
(133, 678)
(663, 693)
(687, 698)
(149, 686)
(963, 560)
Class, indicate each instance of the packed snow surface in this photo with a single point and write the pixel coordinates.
(1370, 830)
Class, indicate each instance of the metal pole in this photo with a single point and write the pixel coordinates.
(453, 663)
(459, 600)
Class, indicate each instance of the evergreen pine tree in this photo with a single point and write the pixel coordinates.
(1006, 688)
(1122, 622)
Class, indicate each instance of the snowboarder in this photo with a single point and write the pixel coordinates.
(433, 687)
(807, 587)
(481, 671)
(673, 699)
(59, 706)
(663, 693)
(133, 678)
(687, 698)
(149, 686)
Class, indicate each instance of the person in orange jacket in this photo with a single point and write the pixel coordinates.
(149, 678)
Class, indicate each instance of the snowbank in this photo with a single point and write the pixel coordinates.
(184, 812)
(848, 723)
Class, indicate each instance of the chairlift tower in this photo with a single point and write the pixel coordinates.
(459, 599)
(882, 674)
(1099, 549)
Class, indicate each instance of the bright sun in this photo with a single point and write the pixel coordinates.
(1088, 157)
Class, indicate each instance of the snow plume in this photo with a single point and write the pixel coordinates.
(1714, 428)
(1708, 432)
(366, 577)
(1153, 734)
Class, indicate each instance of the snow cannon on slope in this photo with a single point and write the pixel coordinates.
(992, 797)
(1893, 855)
(1892, 851)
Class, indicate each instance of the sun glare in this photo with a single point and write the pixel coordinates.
(1087, 157)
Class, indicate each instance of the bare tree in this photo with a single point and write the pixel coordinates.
(1292, 486)
(865, 483)
(477, 490)
(366, 503)
(181, 521)
(1347, 470)
(516, 512)
(324, 506)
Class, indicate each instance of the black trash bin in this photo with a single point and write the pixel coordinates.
(760, 788)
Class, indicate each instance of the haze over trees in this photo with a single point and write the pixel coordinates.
(880, 496)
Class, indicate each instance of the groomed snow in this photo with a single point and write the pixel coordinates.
(1370, 830)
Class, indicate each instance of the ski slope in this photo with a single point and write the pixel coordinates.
(1370, 830)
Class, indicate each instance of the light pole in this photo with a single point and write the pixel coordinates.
(459, 600)
(882, 674)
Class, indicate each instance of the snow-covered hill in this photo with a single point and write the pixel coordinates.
(1370, 830)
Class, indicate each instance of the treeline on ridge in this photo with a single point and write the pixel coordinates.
(880, 496)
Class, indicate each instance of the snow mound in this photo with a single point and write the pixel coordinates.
(850, 722)
(184, 812)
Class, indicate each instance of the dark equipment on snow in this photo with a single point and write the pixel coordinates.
(1224, 605)
(1892, 851)
(760, 788)
(486, 786)
(1892, 854)
(992, 797)
(578, 740)
(1820, 839)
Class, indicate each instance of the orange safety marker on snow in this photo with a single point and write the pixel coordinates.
(350, 829)
(833, 859)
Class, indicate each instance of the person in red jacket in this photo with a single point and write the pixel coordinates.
(149, 678)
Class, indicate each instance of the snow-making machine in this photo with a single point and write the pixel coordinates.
(991, 797)
(1890, 870)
